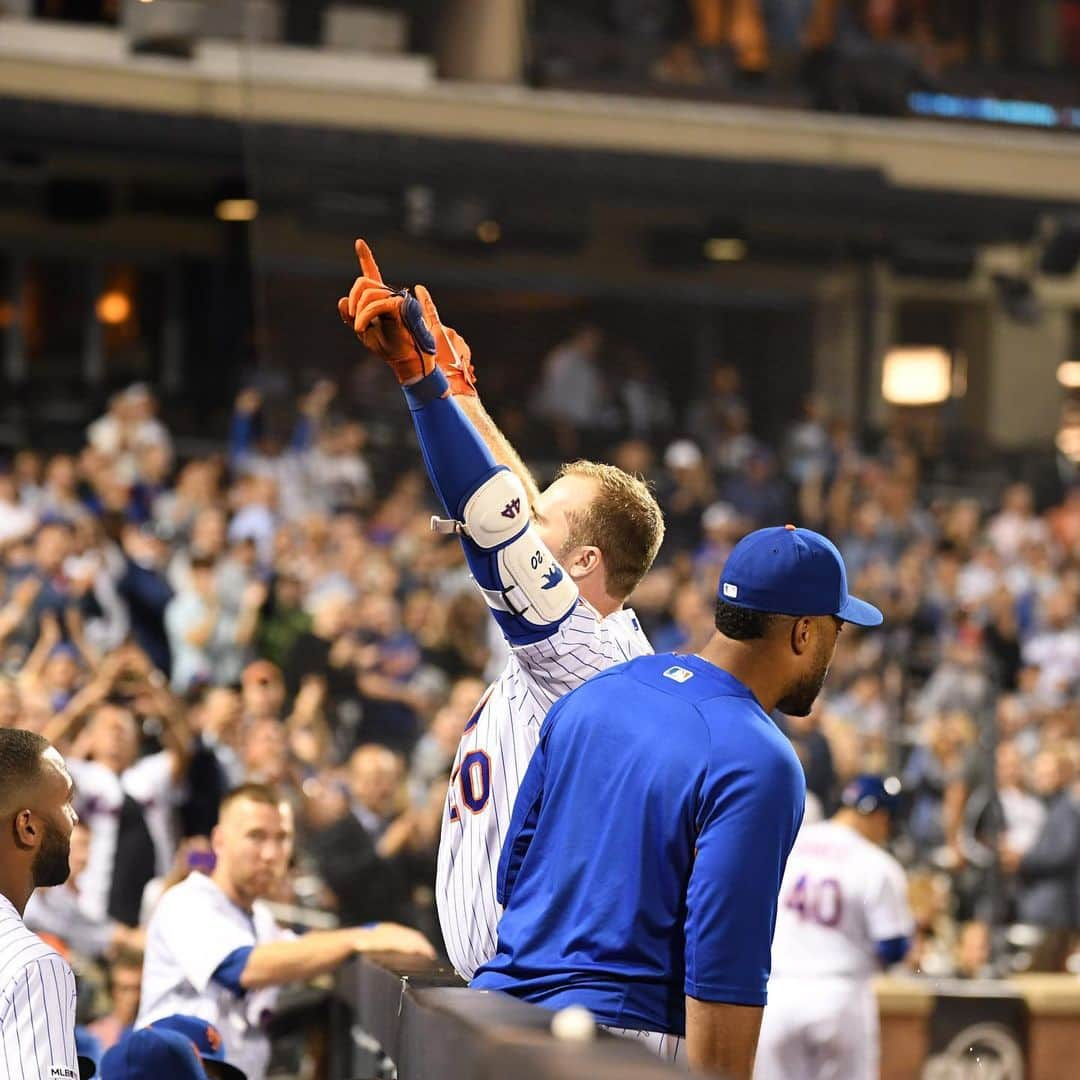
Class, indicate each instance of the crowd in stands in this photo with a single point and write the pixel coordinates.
(849, 55)
(280, 611)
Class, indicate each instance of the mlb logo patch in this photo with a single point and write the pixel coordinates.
(678, 674)
(731, 590)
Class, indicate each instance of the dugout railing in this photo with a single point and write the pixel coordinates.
(432, 1026)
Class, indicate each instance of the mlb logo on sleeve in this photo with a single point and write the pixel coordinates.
(678, 674)
(62, 1072)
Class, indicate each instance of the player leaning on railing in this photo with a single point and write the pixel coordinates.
(555, 567)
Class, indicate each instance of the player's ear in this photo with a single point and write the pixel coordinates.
(587, 560)
(802, 631)
(26, 830)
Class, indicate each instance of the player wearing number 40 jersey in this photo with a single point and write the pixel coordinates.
(554, 567)
(843, 915)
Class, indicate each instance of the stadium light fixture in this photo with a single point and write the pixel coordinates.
(236, 210)
(1068, 374)
(1068, 441)
(488, 231)
(724, 249)
(916, 375)
(113, 308)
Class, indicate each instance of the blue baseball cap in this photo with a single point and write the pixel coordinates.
(148, 1054)
(868, 793)
(789, 571)
(207, 1040)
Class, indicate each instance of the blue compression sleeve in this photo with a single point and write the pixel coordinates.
(229, 971)
(893, 950)
(458, 461)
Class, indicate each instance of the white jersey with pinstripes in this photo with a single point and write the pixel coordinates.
(492, 757)
(37, 1005)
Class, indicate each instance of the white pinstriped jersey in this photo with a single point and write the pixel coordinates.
(492, 757)
(194, 928)
(37, 1005)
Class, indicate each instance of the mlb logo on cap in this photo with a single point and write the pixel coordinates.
(730, 591)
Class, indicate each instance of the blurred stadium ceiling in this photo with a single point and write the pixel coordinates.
(605, 190)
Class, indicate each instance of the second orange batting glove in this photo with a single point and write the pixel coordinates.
(452, 352)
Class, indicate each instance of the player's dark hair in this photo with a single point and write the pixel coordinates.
(741, 624)
(263, 794)
(20, 759)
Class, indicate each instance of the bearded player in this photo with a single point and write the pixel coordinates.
(555, 567)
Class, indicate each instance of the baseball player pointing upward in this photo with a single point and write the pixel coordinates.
(843, 915)
(554, 566)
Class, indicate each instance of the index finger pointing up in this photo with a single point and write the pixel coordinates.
(367, 261)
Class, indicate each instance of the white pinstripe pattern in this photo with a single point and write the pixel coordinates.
(665, 1047)
(507, 730)
(37, 1005)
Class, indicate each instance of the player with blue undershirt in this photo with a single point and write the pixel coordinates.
(648, 843)
(214, 949)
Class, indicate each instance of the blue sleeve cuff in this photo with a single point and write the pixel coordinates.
(229, 971)
(726, 995)
(430, 388)
(893, 950)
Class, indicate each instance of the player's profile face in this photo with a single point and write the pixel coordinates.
(799, 700)
(52, 862)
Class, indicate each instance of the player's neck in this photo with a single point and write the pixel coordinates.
(746, 663)
(231, 892)
(17, 895)
(599, 600)
(852, 820)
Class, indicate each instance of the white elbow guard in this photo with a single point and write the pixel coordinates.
(497, 510)
(524, 578)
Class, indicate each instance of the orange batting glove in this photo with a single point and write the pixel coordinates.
(452, 352)
(389, 323)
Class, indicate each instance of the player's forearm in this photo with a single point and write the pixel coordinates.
(457, 458)
(722, 1039)
(296, 961)
(498, 443)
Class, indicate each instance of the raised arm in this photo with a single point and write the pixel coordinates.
(487, 503)
(452, 356)
(499, 445)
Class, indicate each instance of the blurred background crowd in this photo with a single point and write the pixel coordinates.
(279, 611)
(215, 559)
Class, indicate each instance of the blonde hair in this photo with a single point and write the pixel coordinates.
(624, 521)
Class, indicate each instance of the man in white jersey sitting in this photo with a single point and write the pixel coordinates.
(213, 948)
(37, 987)
(843, 916)
(554, 566)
